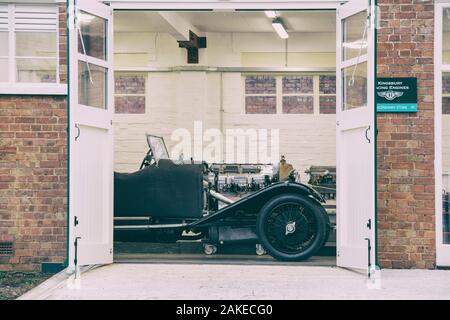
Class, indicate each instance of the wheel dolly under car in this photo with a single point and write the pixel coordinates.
(167, 200)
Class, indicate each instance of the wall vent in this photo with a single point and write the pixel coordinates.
(6, 249)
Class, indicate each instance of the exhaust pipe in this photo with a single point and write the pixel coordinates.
(220, 197)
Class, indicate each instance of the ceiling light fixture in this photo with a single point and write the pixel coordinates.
(279, 27)
(271, 14)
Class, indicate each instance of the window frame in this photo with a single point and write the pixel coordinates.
(12, 87)
(146, 76)
(320, 94)
(275, 95)
(298, 94)
(279, 92)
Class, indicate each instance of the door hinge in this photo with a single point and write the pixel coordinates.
(75, 221)
(75, 260)
(369, 264)
(369, 224)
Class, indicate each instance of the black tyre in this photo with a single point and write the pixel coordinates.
(292, 227)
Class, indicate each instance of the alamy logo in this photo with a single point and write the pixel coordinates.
(390, 95)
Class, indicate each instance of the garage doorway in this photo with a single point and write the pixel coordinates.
(90, 217)
(248, 82)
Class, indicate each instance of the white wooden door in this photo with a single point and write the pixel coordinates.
(442, 73)
(91, 152)
(355, 115)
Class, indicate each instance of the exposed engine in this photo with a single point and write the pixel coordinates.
(242, 178)
(323, 178)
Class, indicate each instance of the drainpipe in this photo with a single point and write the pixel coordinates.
(221, 115)
(286, 54)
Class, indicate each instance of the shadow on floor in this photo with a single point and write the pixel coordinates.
(191, 252)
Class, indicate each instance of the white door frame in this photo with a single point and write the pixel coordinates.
(232, 5)
(442, 251)
(223, 5)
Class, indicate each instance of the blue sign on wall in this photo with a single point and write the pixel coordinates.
(396, 95)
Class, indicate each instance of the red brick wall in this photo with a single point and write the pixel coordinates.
(33, 174)
(62, 33)
(33, 180)
(406, 207)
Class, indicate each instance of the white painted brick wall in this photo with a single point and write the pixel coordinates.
(176, 100)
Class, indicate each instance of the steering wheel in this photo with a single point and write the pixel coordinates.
(148, 161)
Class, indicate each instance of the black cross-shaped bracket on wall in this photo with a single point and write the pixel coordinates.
(195, 42)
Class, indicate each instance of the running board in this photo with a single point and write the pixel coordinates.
(131, 218)
(150, 226)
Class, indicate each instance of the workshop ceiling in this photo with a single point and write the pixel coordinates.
(254, 21)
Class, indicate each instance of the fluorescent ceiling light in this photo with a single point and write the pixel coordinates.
(271, 14)
(277, 24)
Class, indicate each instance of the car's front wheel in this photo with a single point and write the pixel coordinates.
(292, 227)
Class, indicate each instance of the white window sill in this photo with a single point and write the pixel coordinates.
(34, 89)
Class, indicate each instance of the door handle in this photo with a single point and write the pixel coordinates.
(78, 131)
(367, 136)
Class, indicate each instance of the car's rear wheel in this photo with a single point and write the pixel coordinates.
(292, 227)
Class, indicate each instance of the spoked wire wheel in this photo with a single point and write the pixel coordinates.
(292, 227)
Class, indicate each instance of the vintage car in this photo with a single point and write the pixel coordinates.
(218, 204)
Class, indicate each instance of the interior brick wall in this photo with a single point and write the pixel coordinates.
(328, 105)
(298, 104)
(406, 207)
(260, 105)
(327, 85)
(130, 94)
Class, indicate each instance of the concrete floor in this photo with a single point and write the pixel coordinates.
(240, 281)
